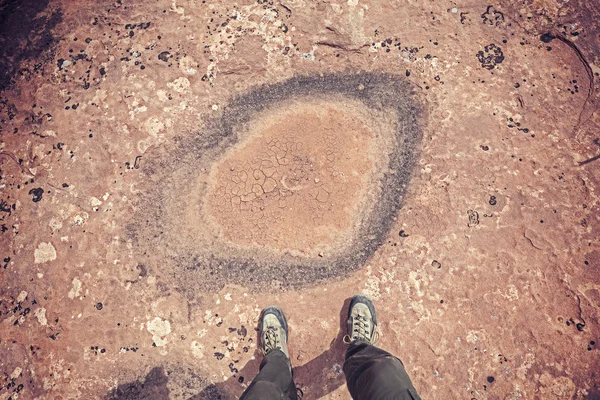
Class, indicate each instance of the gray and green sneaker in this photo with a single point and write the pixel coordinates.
(273, 331)
(362, 321)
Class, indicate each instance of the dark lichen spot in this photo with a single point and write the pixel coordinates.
(242, 331)
(37, 194)
(492, 17)
(490, 56)
(547, 37)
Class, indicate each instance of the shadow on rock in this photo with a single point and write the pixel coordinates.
(25, 33)
(153, 388)
(315, 379)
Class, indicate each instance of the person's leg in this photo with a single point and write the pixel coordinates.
(372, 373)
(274, 381)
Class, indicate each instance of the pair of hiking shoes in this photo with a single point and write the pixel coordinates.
(362, 326)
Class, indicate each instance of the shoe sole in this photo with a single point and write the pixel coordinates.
(366, 301)
(278, 312)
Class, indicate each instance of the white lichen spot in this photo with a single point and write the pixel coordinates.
(75, 288)
(55, 224)
(137, 110)
(415, 279)
(16, 373)
(95, 202)
(159, 329)
(215, 107)
(310, 56)
(197, 349)
(473, 337)
(45, 252)
(99, 98)
(162, 95)
(188, 65)
(143, 145)
(22, 296)
(39, 151)
(180, 85)
(154, 126)
(81, 218)
(512, 293)
(178, 9)
(40, 314)
(208, 317)
(352, 3)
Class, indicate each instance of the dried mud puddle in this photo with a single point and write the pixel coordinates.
(293, 183)
(297, 183)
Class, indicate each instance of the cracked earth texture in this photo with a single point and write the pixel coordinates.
(169, 168)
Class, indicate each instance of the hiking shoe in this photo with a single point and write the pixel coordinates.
(273, 331)
(362, 321)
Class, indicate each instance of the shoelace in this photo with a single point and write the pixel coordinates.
(360, 331)
(360, 328)
(271, 340)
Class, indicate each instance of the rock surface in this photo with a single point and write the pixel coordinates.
(167, 170)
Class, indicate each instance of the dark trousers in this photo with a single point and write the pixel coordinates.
(371, 374)
(274, 380)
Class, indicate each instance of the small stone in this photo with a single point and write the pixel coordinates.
(164, 56)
